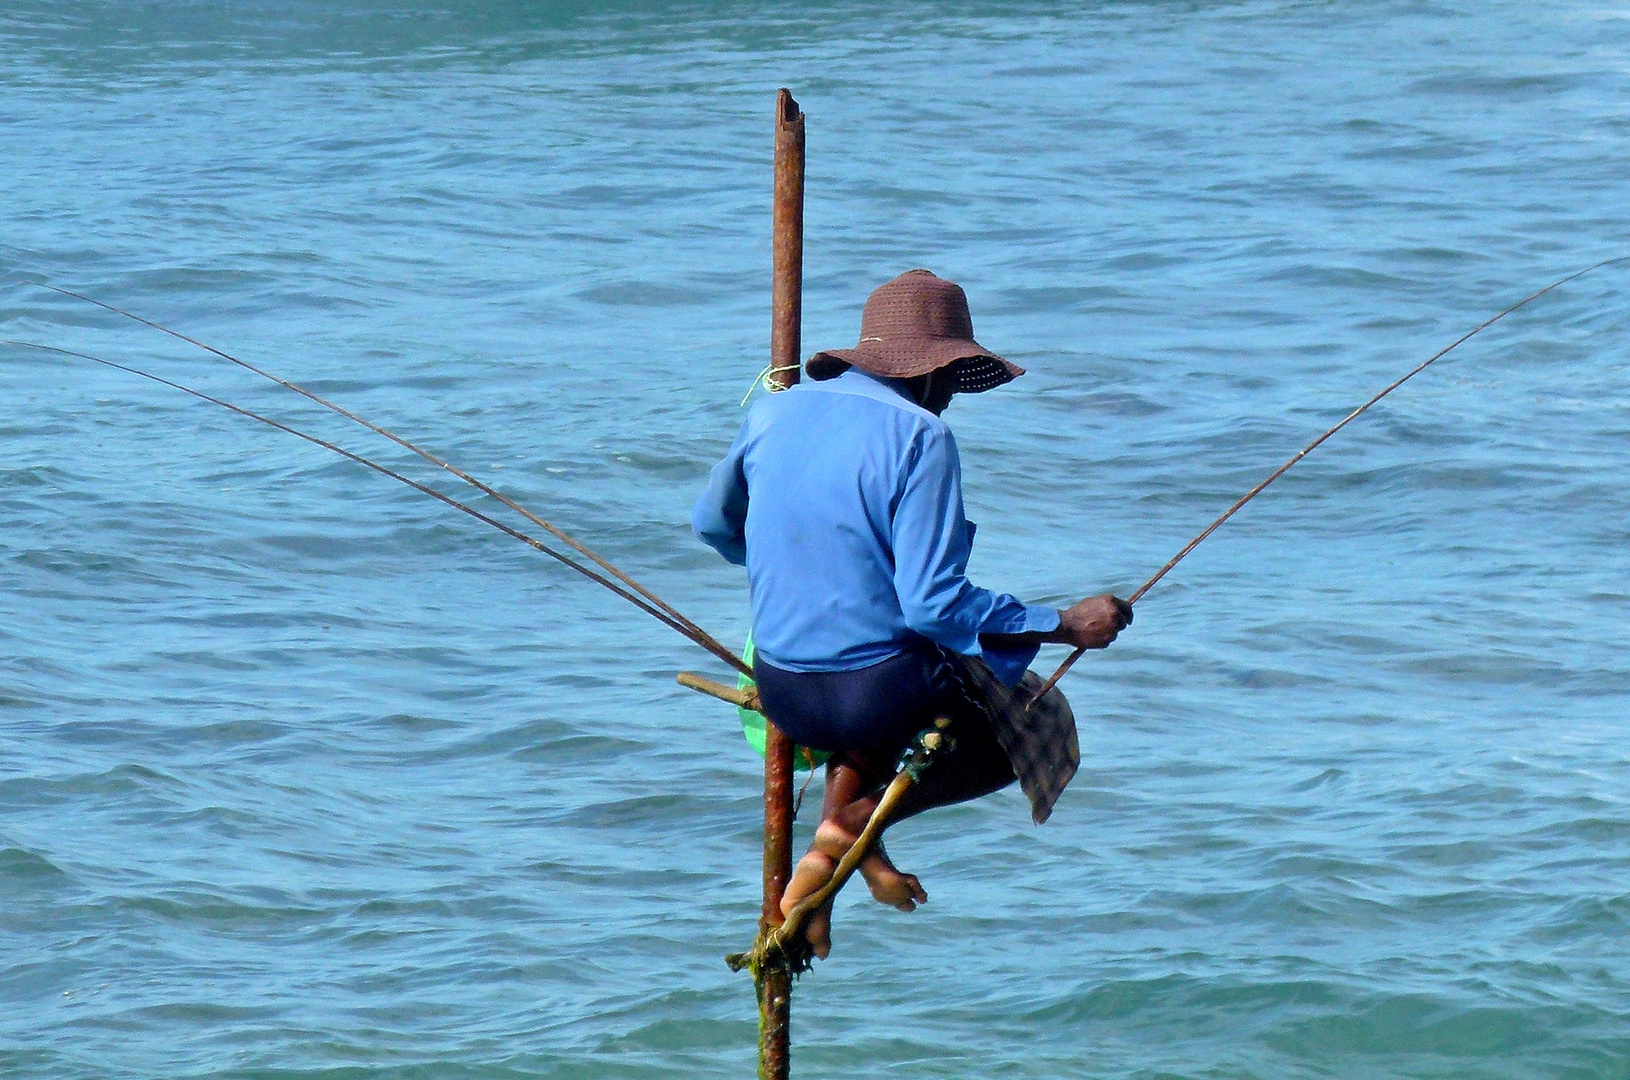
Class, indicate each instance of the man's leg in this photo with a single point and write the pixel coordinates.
(844, 813)
(977, 767)
(851, 797)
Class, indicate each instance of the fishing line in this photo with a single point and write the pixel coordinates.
(562, 557)
(1310, 447)
(695, 632)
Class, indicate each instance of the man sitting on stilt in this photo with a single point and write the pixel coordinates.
(843, 498)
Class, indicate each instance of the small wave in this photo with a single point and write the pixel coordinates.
(28, 868)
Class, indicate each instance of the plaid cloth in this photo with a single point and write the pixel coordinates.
(1040, 742)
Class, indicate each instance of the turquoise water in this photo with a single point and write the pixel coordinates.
(303, 775)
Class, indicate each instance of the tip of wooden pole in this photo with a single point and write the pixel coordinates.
(786, 109)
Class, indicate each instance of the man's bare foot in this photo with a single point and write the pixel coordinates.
(813, 871)
(888, 884)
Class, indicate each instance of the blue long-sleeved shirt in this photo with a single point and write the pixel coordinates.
(844, 501)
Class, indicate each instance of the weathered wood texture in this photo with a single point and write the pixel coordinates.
(786, 291)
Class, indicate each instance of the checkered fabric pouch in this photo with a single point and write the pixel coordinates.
(1040, 742)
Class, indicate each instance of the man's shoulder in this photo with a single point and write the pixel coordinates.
(851, 396)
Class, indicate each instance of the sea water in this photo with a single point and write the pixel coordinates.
(303, 774)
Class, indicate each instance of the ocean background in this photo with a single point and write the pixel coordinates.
(303, 775)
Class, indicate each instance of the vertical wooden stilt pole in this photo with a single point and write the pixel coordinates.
(786, 290)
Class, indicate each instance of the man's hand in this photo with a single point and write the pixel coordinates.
(1094, 622)
(1091, 624)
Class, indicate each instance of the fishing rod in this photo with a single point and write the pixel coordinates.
(1310, 447)
(686, 628)
(691, 630)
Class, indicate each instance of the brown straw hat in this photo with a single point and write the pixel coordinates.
(912, 325)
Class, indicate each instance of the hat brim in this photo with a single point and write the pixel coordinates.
(906, 360)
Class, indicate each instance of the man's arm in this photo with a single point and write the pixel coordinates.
(931, 547)
(719, 518)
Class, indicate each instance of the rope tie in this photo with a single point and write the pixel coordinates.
(761, 377)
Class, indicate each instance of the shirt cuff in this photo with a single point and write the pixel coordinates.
(1039, 619)
(1009, 665)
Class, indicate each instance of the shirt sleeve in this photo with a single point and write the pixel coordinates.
(719, 518)
(932, 542)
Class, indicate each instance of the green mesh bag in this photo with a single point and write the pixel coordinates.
(752, 723)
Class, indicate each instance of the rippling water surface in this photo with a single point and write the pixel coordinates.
(303, 775)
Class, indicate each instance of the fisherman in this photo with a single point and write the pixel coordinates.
(843, 498)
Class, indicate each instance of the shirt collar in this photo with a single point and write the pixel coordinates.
(857, 381)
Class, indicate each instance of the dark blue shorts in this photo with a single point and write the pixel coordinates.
(868, 717)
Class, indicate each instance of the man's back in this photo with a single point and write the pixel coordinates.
(853, 536)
